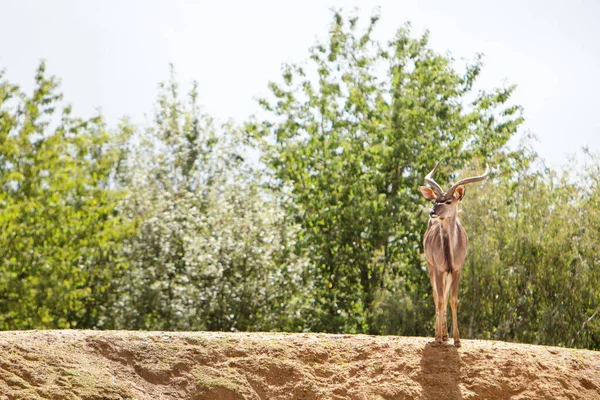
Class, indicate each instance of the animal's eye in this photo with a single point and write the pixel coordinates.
(449, 202)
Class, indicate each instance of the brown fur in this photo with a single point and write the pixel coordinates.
(445, 244)
(447, 251)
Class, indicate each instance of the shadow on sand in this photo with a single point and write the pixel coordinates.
(440, 372)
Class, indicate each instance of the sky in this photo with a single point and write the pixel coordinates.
(110, 55)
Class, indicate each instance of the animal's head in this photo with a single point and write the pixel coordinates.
(445, 203)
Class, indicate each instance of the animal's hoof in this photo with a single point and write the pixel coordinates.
(457, 343)
(445, 338)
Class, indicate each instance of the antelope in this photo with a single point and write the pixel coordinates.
(445, 244)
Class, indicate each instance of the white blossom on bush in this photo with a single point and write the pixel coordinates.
(213, 249)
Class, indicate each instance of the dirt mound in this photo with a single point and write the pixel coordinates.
(203, 365)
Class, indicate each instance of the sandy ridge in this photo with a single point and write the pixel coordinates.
(206, 365)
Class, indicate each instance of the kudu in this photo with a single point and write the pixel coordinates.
(445, 244)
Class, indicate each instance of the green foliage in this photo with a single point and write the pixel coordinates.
(354, 136)
(58, 225)
(212, 249)
(532, 273)
(170, 227)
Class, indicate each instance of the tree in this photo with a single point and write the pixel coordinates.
(213, 250)
(531, 275)
(350, 138)
(59, 231)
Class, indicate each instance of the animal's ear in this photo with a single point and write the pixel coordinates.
(459, 193)
(428, 193)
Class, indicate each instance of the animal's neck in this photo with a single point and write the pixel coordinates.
(449, 223)
(447, 238)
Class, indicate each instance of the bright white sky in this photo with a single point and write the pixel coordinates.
(111, 54)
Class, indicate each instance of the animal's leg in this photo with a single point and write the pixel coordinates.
(439, 305)
(435, 296)
(444, 327)
(454, 304)
(437, 317)
(447, 285)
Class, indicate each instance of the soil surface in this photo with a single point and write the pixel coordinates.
(259, 366)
